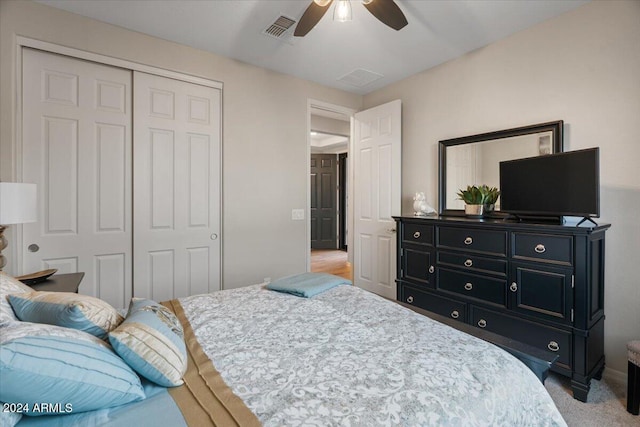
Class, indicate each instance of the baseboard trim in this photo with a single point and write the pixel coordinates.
(614, 375)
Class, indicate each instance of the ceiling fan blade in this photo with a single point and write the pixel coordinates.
(387, 12)
(310, 18)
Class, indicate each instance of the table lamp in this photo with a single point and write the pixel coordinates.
(17, 206)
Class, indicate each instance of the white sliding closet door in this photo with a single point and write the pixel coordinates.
(177, 182)
(76, 147)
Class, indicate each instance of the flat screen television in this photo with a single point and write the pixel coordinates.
(554, 185)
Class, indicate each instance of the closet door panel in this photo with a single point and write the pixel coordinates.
(76, 146)
(177, 186)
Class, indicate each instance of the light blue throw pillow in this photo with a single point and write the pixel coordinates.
(9, 418)
(67, 370)
(151, 341)
(307, 285)
(70, 310)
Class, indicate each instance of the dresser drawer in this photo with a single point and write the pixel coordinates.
(437, 304)
(536, 335)
(482, 241)
(543, 247)
(417, 233)
(474, 286)
(473, 262)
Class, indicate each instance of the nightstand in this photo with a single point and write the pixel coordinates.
(60, 283)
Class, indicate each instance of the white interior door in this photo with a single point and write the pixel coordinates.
(76, 147)
(177, 183)
(377, 190)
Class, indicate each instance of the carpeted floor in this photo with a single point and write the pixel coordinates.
(606, 404)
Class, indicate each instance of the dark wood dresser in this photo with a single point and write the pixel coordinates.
(541, 284)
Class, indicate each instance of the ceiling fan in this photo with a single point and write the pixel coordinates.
(387, 12)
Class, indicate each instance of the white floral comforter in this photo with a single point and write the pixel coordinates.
(350, 358)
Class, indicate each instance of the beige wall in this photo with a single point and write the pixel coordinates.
(582, 67)
(264, 132)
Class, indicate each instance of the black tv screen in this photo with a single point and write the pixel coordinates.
(552, 185)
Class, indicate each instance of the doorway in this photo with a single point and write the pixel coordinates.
(328, 203)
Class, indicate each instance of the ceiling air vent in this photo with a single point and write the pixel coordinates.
(360, 77)
(279, 27)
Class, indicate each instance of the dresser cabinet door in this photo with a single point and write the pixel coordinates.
(417, 266)
(544, 292)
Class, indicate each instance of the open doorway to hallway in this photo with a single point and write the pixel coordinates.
(330, 132)
(332, 261)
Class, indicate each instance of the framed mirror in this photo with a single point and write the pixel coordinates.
(475, 159)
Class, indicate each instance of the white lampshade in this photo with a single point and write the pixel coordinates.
(18, 203)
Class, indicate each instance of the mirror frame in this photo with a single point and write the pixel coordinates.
(555, 127)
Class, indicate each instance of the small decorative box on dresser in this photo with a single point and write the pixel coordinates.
(541, 284)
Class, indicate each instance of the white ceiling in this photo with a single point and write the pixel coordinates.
(438, 31)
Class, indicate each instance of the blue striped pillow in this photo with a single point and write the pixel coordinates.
(70, 310)
(151, 341)
(54, 365)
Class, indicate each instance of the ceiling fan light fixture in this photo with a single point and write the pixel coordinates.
(342, 11)
(323, 3)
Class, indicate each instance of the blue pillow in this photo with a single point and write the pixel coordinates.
(307, 285)
(54, 365)
(8, 418)
(70, 310)
(151, 341)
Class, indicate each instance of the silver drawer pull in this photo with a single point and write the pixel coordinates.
(431, 269)
(513, 287)
(468, 286)
(468, 241)
(540, 248)
(410, 299)
(482, 323)
(553, 346)
(468, 263)
(416, 235)
(455, 314)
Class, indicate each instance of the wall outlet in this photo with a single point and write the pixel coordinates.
(297, 214)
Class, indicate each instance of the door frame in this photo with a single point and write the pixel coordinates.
(343, 158)
(349, 112)
(15, 145)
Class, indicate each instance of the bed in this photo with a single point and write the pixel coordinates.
(344, 357)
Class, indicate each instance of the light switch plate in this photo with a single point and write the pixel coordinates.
(297, 214)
